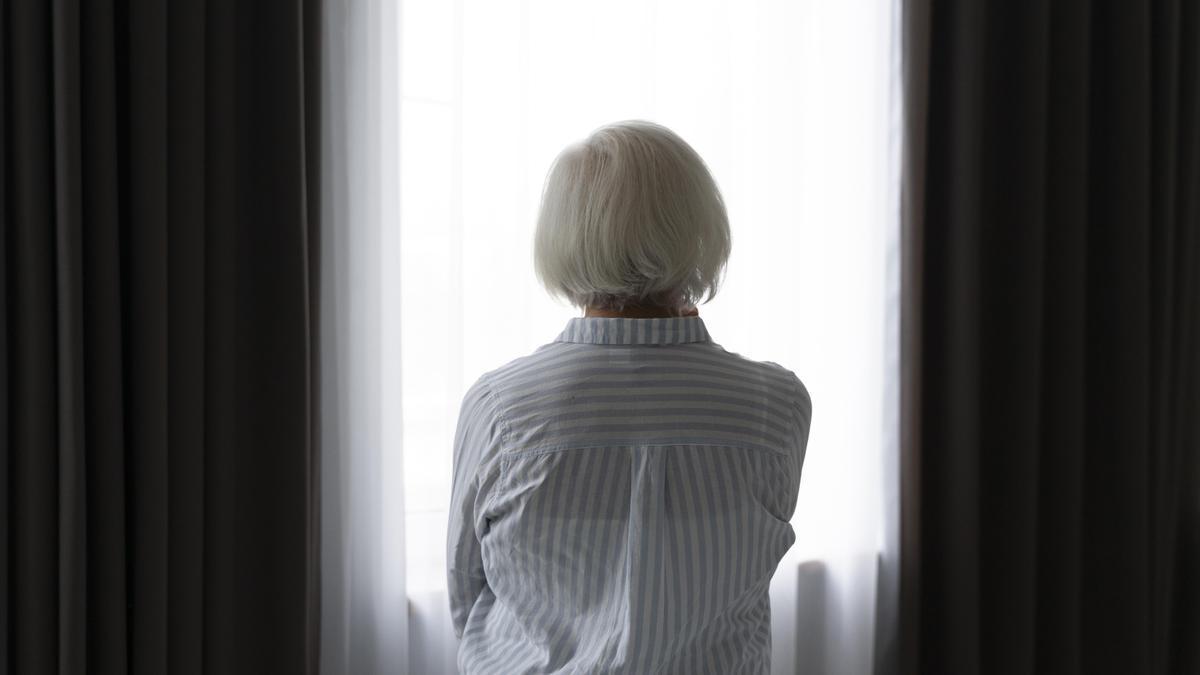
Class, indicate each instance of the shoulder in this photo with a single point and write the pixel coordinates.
(524, 362)
(778, 378)
(770, 371)
(799, 392)
(486, 393)
(523, 371)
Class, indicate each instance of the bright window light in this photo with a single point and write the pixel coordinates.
(788, 103)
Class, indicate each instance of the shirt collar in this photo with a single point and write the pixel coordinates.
(603, 330)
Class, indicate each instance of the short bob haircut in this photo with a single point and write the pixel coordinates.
(631, 215)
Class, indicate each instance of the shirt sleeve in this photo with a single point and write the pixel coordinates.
(802, 403)
(478, 441)
(801, 421)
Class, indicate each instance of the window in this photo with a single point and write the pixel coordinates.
(792, 104)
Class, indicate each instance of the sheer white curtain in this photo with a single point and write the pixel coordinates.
(364, 607)
(442, 118)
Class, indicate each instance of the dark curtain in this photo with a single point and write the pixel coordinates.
(158, 467)
(1051, 488)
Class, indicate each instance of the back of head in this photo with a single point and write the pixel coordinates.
(631, 215)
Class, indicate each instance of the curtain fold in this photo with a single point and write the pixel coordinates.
(157, 412)
(1052, 385)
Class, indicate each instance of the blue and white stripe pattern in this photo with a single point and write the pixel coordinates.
(620, 501)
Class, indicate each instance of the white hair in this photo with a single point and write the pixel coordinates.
(631, 215)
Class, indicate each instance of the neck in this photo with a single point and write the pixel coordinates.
(641, 312)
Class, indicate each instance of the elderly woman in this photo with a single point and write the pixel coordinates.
(621, 496)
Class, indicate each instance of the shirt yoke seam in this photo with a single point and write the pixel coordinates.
(510, 454)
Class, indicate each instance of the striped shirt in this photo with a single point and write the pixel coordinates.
(620, 501)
